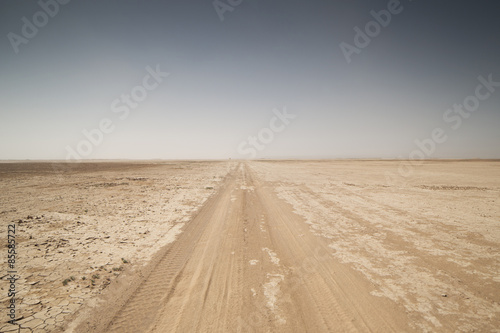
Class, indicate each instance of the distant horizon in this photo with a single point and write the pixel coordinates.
(257, 159)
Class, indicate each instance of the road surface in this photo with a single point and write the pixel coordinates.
(248, 263)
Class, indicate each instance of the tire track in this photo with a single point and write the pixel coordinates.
(226, 272)
(142, 308)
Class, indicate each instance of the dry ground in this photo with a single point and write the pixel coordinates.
(261, 246)
(77, 222)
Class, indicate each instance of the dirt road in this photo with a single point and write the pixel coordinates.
(248, 263)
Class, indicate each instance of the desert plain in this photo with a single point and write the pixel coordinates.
(252, 246)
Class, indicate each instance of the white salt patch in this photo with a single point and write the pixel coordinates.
(275, 260)
(271, 291)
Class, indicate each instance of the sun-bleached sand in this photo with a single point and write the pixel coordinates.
(281, 246)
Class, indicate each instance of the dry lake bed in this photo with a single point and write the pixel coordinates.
(250, 246)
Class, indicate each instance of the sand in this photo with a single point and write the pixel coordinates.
(254, 246)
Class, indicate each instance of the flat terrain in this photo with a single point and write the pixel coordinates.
(258, 246)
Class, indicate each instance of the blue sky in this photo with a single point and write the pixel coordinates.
(226, 78)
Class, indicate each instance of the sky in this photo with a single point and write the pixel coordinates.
(249, 79)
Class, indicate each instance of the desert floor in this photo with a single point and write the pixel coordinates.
(252, 246)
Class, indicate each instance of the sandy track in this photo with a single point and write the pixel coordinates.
(248, 263)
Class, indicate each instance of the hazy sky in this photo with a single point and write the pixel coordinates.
(67, 68)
